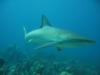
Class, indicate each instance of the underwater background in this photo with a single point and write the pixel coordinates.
(80, 16)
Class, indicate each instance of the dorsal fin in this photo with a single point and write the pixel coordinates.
(45, 21)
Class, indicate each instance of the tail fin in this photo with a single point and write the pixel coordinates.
(25, 32)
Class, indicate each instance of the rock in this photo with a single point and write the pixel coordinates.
(2, 62)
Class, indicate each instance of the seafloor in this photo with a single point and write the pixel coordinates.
(13, 62)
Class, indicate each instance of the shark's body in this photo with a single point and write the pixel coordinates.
(47, 35)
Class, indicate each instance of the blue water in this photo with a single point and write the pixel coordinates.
(80, 16)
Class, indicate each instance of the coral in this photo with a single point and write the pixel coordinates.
(65, 73)
(41, 65)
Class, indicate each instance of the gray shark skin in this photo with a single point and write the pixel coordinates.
(47, 35)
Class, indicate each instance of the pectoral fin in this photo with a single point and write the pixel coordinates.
(46, 45)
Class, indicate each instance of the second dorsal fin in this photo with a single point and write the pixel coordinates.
(45, 21)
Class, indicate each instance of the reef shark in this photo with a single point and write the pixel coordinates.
(47, 35)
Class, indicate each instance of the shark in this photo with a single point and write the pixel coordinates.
(48, 35)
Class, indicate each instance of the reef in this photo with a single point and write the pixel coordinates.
(39, 64)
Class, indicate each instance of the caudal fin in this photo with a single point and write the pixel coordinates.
(25, 32)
